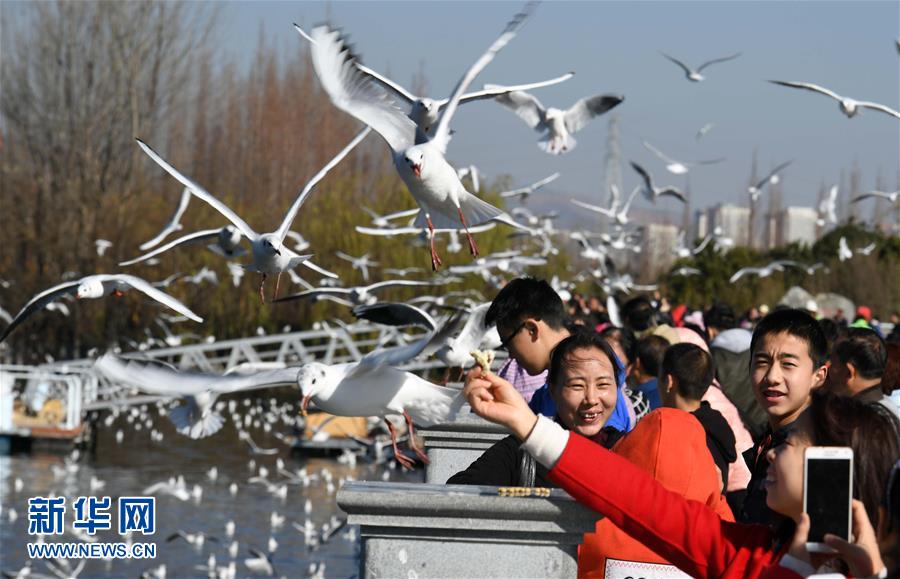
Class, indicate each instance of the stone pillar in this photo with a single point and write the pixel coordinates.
(452, 447)
(429, 530)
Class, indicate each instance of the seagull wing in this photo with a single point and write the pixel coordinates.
(401, 282)
(200, 192)
(39, 302)
(659, 153)
(879, 107)
(189, 238)
(388, 231)
(741, 273)
(389, 84)
(307, 189)
(531, 188)
(144, 287)
(718, 60)
(442, 132)
(315, 293)
(396, 314)
(631, 197)
(862, 196)
(645, 175)
(594, 208)
(497, 90)
(356, 93)
(583, 111)
(320, 270)
(808, 86)
(473, 331)
(526, 107)
(173, 224)
(772, 173)
(673, 192)
(683, 66)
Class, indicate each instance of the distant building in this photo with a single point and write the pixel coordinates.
(657, 254)
(793, 225)
(734, 221)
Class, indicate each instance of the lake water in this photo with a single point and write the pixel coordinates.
(130, 466)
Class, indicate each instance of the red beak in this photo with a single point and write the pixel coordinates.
(305, 405)
(417, 170)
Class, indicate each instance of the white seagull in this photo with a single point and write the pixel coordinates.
(678, 167)
(828, 208)
(651, 191)
(770, 179)
(269, 252)
(694, 75)
(226, 242)
(620, 216)
(369, 388)
(419, 159)
(385, 220)
(892, 197)
(102, 245)
(361, 263)
(848, 106)
(424, 111)
(360, 295)
(559, 125)
(764, 271)
(93, 287)
(703, 130)
(524, 193)
(174, 223)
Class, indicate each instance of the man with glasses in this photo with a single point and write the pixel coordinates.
(531, 320)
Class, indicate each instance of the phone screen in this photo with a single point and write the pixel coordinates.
(827, 497)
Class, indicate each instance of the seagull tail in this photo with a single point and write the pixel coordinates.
(557, 144)
(189, 422)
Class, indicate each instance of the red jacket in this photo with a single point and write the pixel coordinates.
(687, 533)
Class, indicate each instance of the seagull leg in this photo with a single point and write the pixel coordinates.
(435, 258)
(412, 438)
(277, 282)
(473, 249)
(262, 284)
(404, 460)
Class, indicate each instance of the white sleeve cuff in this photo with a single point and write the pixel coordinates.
(546, 442)
(796, 565)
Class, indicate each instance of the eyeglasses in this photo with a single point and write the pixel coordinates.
(504, 343)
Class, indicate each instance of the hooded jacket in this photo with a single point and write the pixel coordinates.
(670, 445)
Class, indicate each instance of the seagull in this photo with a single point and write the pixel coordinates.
(828, 208)
(419, 159)
(404, 271)
(686, 271)
(357, 295)
(237, 272)
(423, 231)
(260, 563)
(196, 539)
(844, 251)
(703, 130)
(847, 105)
(683, 251)
(226, 242)
(694, 75)
(677, 167)
(385, 220)
(620, 216)
(371, 388)
(102, 245)
(764, 271)
(472, 173)
(424, 111)
(174, 223)
(892, 197)
(559, 125)
(771, 179)
(361, 263)
(651, 192)
(97, 286)
(524, 192)
(245, 436)
(269, 253)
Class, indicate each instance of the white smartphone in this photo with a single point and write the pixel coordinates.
(827, 494)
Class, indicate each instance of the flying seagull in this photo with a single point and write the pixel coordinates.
(93, 287)
(651, 191)
(694, 75)
(678, 167)
(828, 208)
(892, 197)
(620, 216)
(848, 106)
(269, 252)
(418, 158)
(524, 193)
(174, 223)
(556, 124)
(772, 178)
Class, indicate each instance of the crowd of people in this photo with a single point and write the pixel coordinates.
(687, 430)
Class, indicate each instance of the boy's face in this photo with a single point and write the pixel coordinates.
(783, 376)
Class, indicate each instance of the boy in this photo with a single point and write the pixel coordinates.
(686, 372)
(787, 362)
(645, 371)
(531, 320)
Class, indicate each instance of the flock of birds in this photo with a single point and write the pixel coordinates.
(417, 131)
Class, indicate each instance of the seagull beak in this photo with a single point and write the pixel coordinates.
(417, 170)
(305, 405)
(277, 251)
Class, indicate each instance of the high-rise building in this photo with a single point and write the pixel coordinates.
(734, 221)
(795, 225)
(657, 255)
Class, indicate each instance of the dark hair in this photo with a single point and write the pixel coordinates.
(624, 337)
(638, 314)
(527, 297)
(871, 430)
(650, 351)
(578, 340)
(864, 349)
(691, 367)
(890, 380)
(720, 316)
(697, 330)
(797, 323)
(832, 330)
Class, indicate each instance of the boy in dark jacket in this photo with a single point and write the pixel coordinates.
(686, 373)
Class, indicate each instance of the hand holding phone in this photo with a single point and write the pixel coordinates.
(827, 494)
